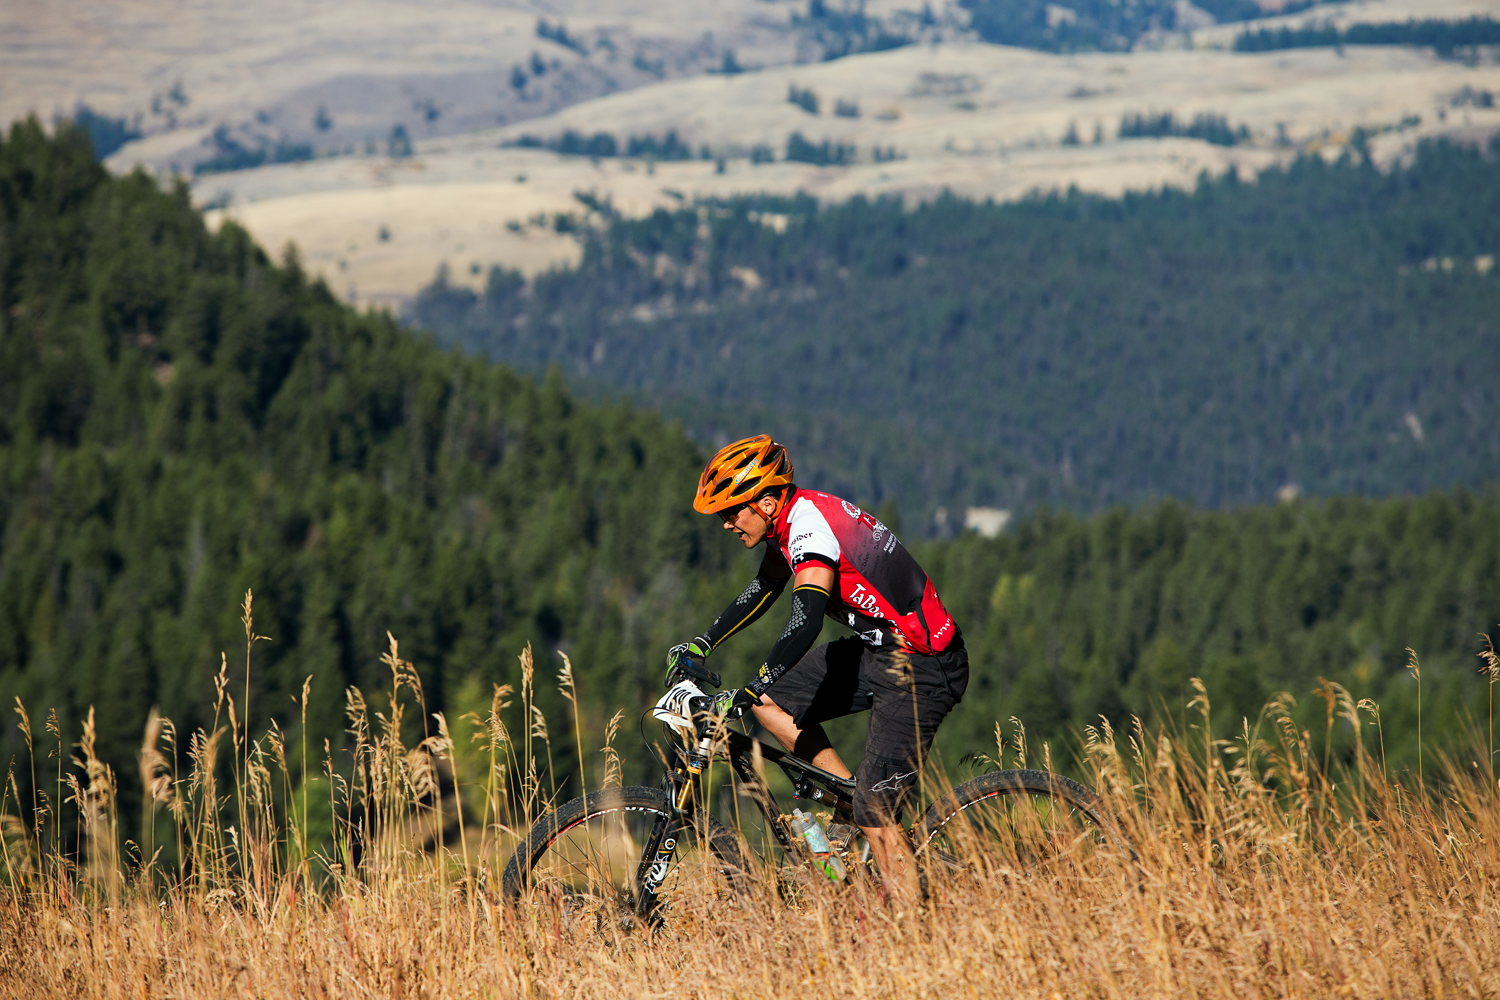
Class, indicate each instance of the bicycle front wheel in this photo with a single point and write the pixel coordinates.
(584, 856)
(1020, 823)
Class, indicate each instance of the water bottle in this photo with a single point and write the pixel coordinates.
(823, 858)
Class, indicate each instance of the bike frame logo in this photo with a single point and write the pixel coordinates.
(658, 871)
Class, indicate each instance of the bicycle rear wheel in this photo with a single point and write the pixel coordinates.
(584, 856)
(1020, 823)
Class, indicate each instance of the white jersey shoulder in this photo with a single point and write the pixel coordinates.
(808, 534)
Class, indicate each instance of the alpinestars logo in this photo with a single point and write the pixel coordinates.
(892, 783)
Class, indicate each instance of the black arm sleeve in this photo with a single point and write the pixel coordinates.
(802, 628)
(746, 609)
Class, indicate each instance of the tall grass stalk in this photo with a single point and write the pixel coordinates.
(569, 690)
(302, 860)
(1415, 669)
(1491, 670)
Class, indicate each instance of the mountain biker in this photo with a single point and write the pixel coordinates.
(906, 663)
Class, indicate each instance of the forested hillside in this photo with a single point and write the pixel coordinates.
(1068, 620)
(1330, 327)
(182, 419)
(1444, 37)
(1095, 24)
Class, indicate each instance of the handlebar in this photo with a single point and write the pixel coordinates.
(698, 672)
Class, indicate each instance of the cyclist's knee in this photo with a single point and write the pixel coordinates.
(776, 721)
(769, 714)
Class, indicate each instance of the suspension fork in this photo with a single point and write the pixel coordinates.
(656, 858)
(660, 848)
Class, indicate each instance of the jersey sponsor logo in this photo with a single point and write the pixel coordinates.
(863, 599)
(872, 636)
(878, 530)
(809, 535)
(798, 544)
(802, 551)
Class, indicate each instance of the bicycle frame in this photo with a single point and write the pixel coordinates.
(697, 737)
(685, 778)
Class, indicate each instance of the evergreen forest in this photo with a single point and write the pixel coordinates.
(183, 419)
(1328, 328)
(1445, 38)
(1110, 25)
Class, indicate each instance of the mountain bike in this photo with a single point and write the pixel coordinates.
(624, 853)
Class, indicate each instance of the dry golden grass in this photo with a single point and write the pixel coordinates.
(1258, 875)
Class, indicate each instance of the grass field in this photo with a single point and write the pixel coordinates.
(1263, 869)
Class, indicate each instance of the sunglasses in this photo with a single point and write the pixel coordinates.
(731, 514)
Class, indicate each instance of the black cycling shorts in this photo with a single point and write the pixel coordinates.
(907, 695)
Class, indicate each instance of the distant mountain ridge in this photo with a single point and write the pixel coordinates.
(220, 84)
(1327, 329)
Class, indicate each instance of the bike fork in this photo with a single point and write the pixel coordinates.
(655, 860)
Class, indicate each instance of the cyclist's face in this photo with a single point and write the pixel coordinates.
(749, 522)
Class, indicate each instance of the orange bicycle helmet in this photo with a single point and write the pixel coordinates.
(740, 471)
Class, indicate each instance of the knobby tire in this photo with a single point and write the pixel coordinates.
(548, 831)
(1070, 808)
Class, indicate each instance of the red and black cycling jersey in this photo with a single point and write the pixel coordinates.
(879, 590)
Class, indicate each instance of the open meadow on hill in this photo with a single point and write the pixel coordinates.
(974, 120)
